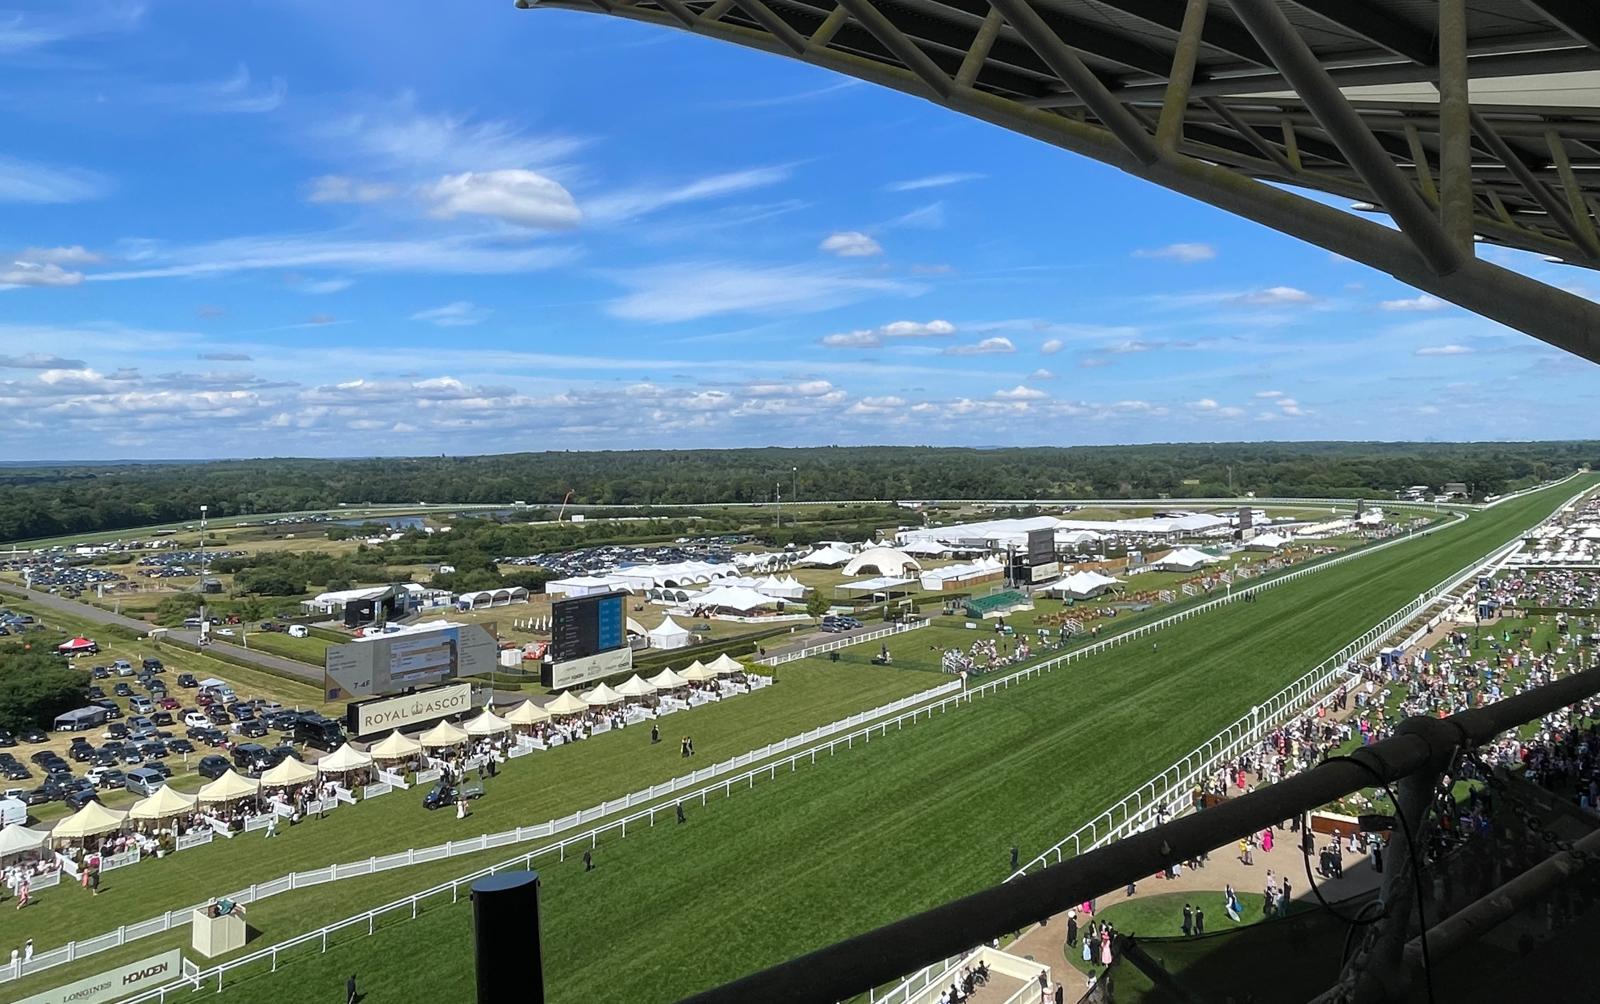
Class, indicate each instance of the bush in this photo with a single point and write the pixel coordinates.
(35, 688)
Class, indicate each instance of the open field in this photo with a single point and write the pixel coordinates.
(912, 820)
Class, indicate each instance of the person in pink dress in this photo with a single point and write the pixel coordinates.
(1266, 840)
(1105, 946)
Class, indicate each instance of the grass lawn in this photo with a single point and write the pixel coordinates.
(923, 815)
(311, 649)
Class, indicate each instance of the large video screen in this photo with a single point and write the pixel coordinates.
(387, 664)
(587, 625)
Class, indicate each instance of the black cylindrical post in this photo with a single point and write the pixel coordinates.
(505, 936)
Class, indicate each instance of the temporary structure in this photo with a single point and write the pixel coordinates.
(18, 839)
(288, 773)
(825, 557)
(1185, 559)
(601, 696)
(487, 724)
(230, 787)
(881, 561)
(92, 820)
(635, 686)
(343, 760)
(394, 746)
(165, 803)
(740, 598)
(1082, 585)
(442, 735)
(1265, 542)
(527, 713)
(667, 680)
(723, 665)
(78, 644)
(567, 704)
(699, 674)
(669, 634)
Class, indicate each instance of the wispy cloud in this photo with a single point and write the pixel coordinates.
(1444, 350)
(76, 254)
(799, 97)
(400, 138)
(24, 31)
(23, 273)
(1187, 254)
(516, 196)
(632, 203)
(1021, 392)
(237, 94)
(459, 314)
(929, 217)
(225, 357)
(338, 188)
(37, 361)
(872, 337)
(989, 346)
(690, 290)
(1420, 302)
(28, 181)
(932, 181)
(850, 244)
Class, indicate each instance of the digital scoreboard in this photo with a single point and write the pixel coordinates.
(423, 656)
(588, 640)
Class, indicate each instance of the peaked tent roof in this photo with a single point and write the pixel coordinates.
(887, 560)
(527, 713)
(723, 665)
(167, 801)
(1184, 557)
(91, 820)
(394, 746)
(344, 758)
(667, 679)
(735, 598)
(635, 686)
(230, 787)
(442, 734)
(567, 704)
(668, 628)
(289, 771)
(825, 557)
(18, 839)
(698, 673)
(487, 724)
(602, 695)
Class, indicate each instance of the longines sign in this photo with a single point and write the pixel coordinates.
(411, 709)
(108, 986)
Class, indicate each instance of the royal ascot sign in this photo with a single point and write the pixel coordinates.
(410, 709)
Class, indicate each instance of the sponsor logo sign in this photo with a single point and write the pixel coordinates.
(114, 983)
(410, 709)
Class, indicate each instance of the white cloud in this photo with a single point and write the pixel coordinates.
(513, 195)
(460, 314)
(1443, 350)
(399, 138)
(1230, 411)
(1021, 393)
(1205, 404)
(1269, 393)
(932, 181)
(1052, 346)
(38, 361)
(619, 207)
(1420, 302)
(852, 340)
(235, 94)
(691, 290)
(1128, 346)
(26, 181)
(1041, 374)
(877, 405)
(989, 346)
(804, 388)
(917, 329)
(1274, 296)
(850, 244)
(1187, 254)
(338, 188)
(322, 287)
(22, 31)
(76, 254)
(24, 273)
(929, 217)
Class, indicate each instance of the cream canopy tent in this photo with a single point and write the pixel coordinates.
(1265, 542)
(394, 746)
(667, 680)
(287, 773)
(698, 673)
(634, 686)
(723, 665)
(345, 758)
(601, 695)
(92, 820)
(527, 713)
(487, 724)
(567, 704)
(230, 787)
(882, 561)
(167, 801)
(18, 839)
(443, 734)
(669, 634)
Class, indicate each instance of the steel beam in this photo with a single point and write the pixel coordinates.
(716, 10)
(1534, 187)
(1170, 129)
(1578, 18)
(1291, 143)
(829, 27)
(1255, 139)
(1574, 192)
(904, 49)
(1358, 17)
(782, 30)
(1421, 164)
(1295, 59)
(1218, 35)
(972, 63)
(1455, 126)
(1042, 40)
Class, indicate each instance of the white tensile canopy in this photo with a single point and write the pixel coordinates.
(345, 758)
(230, 787)
(167, 801)
(601, 695)
(635, 686)
(669, 634)
(394, 746)
(881, 561)
(1266, 542)
(1082, 585)
(1185, 559)
(567, 704)
(724, 665)
(738, 598)
(18, 839)
(825, 557)
(699, 674)
(90, 821)
(441, 735)
(527, 713)
(288, 773)
(487, 724)
(667, 680)
(925, 547)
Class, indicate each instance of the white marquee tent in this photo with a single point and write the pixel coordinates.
(229, 787)
(1184, 559)
(1082, 585)
(669, 634)
(442, 735)
(567, 704)
(601, 696)
(18, 839)
(1265, 542)
(487, 724)
(735, 598)
(288, 773)
(882, 561)
(395, 746)
(826, 557)
(527, 713)
(166, 802)
(668, 680)
(635, 686)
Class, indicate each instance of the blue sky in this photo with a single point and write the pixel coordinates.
(312, 228)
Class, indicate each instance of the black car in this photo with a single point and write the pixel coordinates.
(34, 734)
(100, 673)
(161, 718)
(81, 752)
(15, 772)
(180, 746)
(251, 757)
(107, 757)
(7, 740)
(187, 680)
(43, 757)
(154, 750)
(212, 766)
(131, 755)
(253, 728)
(42, 794)
(217, 715)
(113, 709)
(154, 666)
(116, 730)
(284, 752)
(95, 694)
(159, 768)
(122, 689)
(79, 797)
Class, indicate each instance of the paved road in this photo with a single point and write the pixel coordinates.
(266, 660)
(72, 608)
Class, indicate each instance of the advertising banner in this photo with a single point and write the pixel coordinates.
(114, 983)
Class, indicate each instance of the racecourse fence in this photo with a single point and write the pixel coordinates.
(944, 698)
(838, 643)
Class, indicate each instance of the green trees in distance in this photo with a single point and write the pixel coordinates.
(35, 686)
(816, 604)
(50, 500)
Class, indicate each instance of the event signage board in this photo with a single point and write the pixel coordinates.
(586, 625)
(422, 708)
(114, 983)
(561, 675)
(389, 663)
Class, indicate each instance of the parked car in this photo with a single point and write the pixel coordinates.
(155, 749)
(161, 718)
(145, 781)
(95, 693)
(77, 798)
(212, 766)
(123, 689)
(34, 734)
(218, 716)
(442, 794)
(154, 666)
(42, 794)
(42, 757)
(113, 709)
(168, 703)
(284, 752)
(141, 705)
(7, 740)
(196, 720)
(187, 680)
(252, 758)
(116, 730)
(180, 746)
(252, 728)
(100, 672)
(106, 777)
(123, 667)
(15, 772)
(159, 768)
(81, 752)
(204, 699)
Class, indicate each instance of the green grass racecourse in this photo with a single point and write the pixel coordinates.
(911, 820)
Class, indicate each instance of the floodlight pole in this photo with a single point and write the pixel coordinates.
(204, 632)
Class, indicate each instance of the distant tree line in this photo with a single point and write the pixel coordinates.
(46, 500)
